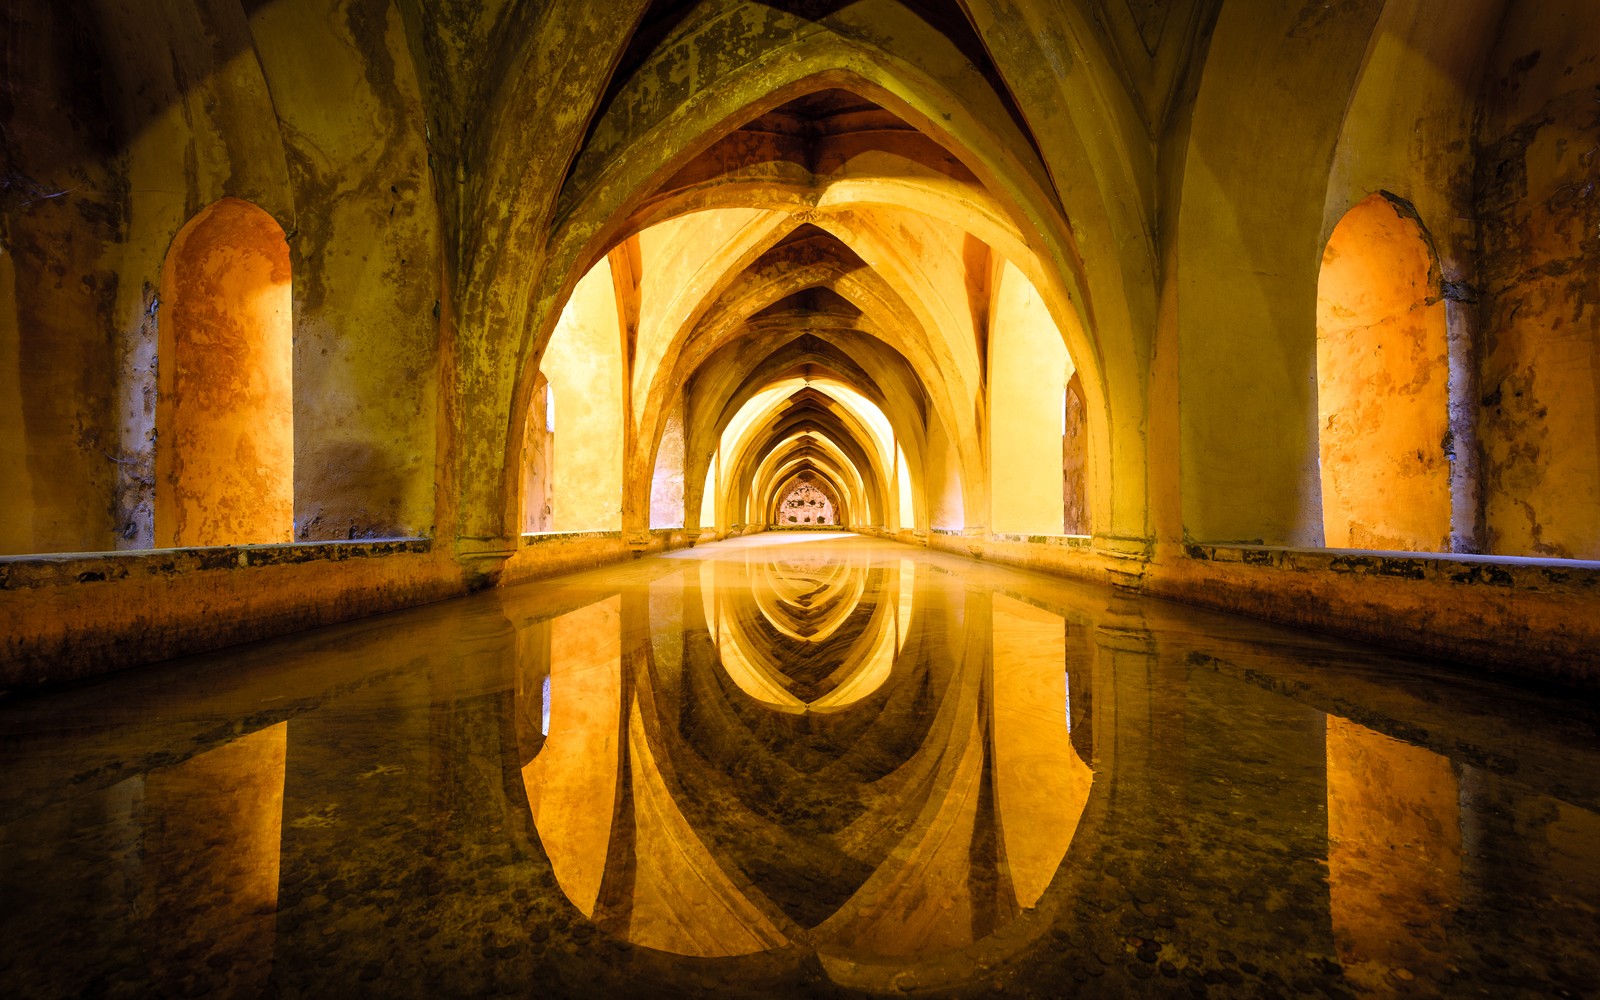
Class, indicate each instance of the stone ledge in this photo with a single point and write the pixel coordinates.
(27, 572)
(1059, 541)
(558, 537)
(78, 615)
(1535, 618)
(547, 554)
(1506, 572)
(1076, 557)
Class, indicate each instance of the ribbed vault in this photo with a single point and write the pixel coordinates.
(818, 257)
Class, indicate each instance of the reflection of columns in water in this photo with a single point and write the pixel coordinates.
(1175, 739)
(1394, 852)
(572, 783)
(1257, 785)
(677, 895)
(922, 899)
(1079, 684)
(471, 722)
(1475, 838)
(84, 910)
(1125, 663)
(412, 768)
(165, 882)
(530, 689)
(664, 625)
(1041, 784)
(1528, 864)
(905, 600)
(602, 799)
(209, 894)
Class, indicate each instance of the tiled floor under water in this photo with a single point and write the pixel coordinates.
(799, 765)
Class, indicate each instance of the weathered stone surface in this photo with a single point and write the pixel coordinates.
(867, 245)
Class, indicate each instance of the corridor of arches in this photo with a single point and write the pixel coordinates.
(1285, 314)
(769, 497)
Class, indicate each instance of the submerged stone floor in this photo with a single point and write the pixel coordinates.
(799, 765)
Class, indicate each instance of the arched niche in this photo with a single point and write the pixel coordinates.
(666, 481)
(1075, 460)
(582, 378)
(538, 460)
(807, 501)
(1382, 384)
(225, 404)
(1028, 365)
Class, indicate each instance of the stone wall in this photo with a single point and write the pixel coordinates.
(1540, 208)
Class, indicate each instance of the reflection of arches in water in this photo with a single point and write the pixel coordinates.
(806, 604)
(817, 621)
(722, 866)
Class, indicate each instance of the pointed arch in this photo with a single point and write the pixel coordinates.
(648, 140)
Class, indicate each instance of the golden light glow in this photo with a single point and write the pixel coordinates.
(1382, 385)
(225, 409)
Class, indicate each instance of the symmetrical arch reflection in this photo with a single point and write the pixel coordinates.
(858, 756)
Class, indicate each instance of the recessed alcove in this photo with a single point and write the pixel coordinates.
(1383, 384)
(790, 497)
(224, 464)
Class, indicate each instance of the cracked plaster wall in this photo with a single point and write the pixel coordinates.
(1539, 201)
(1074, 461)
(63, 212)
(224, 469)
(120, 124)
(538, 472)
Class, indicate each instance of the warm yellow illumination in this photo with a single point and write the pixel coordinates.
(1382, 385)
(708, 500)
(683, 902)
(905, 602)
(225, 409)
(1028, 369)
(1041, 784)
(921, 902)
(211, 853)
(583, 364)
(1394, 852)
(905, 499)
(837, 594)
(571, 784)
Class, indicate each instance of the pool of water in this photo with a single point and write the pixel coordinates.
(799, 765)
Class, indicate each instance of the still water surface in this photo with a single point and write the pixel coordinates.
(799, 765)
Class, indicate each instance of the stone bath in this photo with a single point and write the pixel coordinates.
(803, 764)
